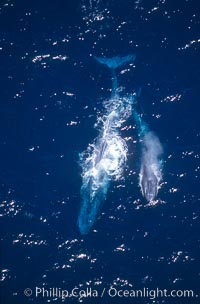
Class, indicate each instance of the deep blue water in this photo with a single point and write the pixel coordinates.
(51, 92)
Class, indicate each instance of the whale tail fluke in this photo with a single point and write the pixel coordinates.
(115, 62)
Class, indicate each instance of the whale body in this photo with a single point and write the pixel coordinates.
(149, 183)
(151, 160)
(104, 160)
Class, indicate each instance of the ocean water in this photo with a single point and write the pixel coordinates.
(52, 91)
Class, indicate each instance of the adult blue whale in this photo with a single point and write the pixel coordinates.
(149, 183)
(151, 164)
(104, 159)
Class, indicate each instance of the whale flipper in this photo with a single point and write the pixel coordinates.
(100, 152)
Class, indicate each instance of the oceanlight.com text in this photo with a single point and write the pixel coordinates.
(112, 292)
